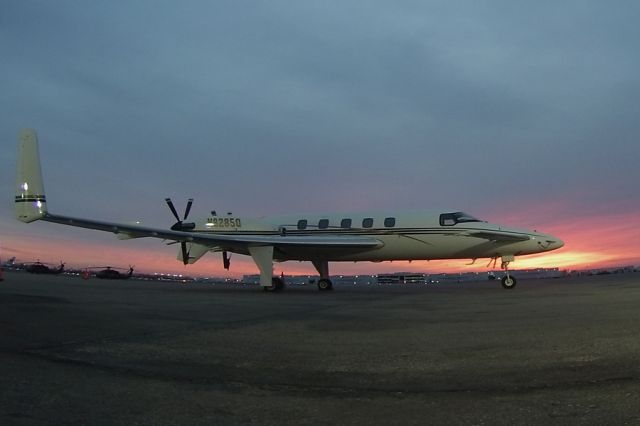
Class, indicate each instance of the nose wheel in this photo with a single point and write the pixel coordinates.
(508, 282)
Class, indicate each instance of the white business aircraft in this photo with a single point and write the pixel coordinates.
(319, 238)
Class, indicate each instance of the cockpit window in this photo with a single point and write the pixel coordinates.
(450, 219)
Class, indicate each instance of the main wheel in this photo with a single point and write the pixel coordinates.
(325, 284)
(508, 282)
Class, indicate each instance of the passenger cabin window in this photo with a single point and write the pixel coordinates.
(323, 224)
(450, 219)
(367, 222)
(390, 222)
(345, 223)
(302, 224)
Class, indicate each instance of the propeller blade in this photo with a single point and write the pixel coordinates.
(188, 209)
(173, 209)
(185, 254)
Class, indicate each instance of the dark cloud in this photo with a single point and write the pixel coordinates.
(277, 106)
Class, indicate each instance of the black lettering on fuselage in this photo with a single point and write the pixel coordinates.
(224, 222)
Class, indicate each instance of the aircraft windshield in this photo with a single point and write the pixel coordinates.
(450, 219)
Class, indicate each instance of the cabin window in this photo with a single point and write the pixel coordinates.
(390, 222)
(302, 224)
(323, 224)
(345, 223)
(367, 222)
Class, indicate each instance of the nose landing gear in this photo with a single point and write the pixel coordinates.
(508, 281)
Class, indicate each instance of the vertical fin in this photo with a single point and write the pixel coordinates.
(31, 203)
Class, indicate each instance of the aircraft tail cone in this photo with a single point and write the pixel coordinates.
(30, 202)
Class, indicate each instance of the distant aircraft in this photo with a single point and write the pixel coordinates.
(10, 263)
(109, 273)
(41, 268)
(318, 238)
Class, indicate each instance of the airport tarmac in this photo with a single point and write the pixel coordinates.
(562, 351)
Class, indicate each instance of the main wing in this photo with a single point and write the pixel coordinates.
(229, 241)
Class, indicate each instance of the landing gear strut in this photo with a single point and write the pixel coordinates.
(508, 281)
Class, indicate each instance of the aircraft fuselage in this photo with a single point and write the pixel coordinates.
(402, 236)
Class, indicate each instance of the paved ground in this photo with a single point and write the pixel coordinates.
(93, 352)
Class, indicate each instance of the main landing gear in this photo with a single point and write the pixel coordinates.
(263, 257)
(324, 283)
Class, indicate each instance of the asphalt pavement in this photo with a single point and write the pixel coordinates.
(558, 351)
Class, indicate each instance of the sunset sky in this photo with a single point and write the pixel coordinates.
(521, 113)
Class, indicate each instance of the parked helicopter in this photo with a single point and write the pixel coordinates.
(42, 268)
(110, 273)
(11, 263)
